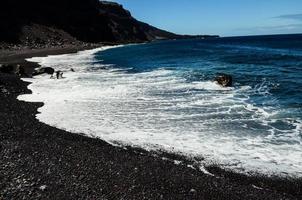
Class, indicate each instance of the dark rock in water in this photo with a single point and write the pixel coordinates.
(44, 70)
(49, 70)
(72, 70)
(224, 80)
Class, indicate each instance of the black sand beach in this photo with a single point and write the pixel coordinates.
(42, 162)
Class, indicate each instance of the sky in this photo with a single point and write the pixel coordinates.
(222, 17)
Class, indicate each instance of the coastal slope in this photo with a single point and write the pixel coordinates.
(47, 23)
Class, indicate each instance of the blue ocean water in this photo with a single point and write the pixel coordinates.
(161, 95)
(270, 64)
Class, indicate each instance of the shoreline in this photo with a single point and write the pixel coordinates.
(41, 161)
(14, 57)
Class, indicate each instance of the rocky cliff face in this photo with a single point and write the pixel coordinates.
(61, 21)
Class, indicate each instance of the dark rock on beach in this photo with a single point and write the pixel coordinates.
(8, 69)
(14, 69)
(44, 70)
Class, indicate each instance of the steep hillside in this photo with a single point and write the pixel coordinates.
(57, 22)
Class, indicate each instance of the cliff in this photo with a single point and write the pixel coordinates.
(57, 22)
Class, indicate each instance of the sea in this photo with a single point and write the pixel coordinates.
(160, 96)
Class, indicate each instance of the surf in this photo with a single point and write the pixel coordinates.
(159, 108)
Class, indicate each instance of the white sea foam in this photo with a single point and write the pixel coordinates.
(160, 110)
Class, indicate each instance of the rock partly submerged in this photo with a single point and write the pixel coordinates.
(44, 70)
(224, 80)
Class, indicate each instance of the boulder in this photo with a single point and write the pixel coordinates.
(44, 70)
(224, 80)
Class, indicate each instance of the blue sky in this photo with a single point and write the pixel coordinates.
(223, 17)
